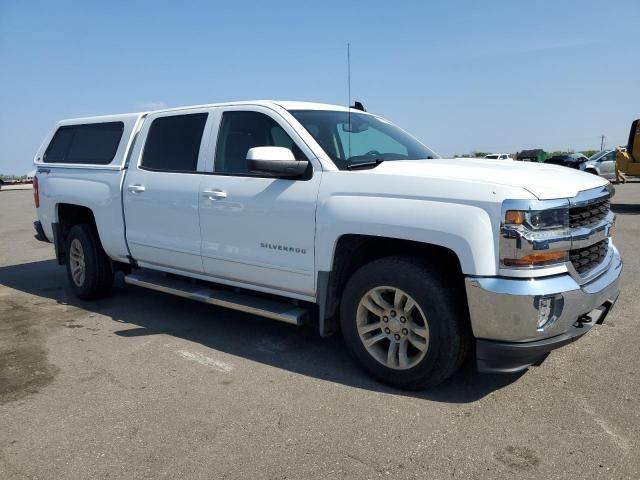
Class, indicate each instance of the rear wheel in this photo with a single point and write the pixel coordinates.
(591, 170)
(403, 324)
(89, 269)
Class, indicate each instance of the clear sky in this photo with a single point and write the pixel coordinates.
(460, 75)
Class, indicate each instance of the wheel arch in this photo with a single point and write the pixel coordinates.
(67, 215)
(352, 251)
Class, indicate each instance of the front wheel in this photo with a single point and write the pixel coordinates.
(89, 269)
(403, 324)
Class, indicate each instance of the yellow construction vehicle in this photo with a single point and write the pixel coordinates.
(629, 162)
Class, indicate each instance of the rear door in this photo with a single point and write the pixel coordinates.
(258, 230)
(161, 190)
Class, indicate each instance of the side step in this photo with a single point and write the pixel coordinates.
(243, 301)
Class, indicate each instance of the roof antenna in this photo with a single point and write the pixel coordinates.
(349, 92)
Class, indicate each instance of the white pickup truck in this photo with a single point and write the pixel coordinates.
(312, 213)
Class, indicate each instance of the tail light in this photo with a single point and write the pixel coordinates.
(36, 192)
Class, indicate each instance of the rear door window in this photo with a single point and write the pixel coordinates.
(93, 143)
(173, 143)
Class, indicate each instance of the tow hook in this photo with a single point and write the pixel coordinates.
(585, 319)
(582, 320)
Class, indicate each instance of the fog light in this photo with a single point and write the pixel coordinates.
(549, 309)
(545, 307)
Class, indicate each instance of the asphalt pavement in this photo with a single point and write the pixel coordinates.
(146, 385)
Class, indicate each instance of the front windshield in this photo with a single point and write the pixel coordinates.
(596, 156)
(492, 157)
(366, 139)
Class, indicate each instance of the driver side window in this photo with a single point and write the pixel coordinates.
(243, 130)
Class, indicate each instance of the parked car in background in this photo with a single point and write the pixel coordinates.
(535, 155)
(498, 156)
(602, 163)
(572, 160)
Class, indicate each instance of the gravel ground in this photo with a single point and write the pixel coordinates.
(145, 385)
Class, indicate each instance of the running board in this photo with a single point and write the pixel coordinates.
(243, 301)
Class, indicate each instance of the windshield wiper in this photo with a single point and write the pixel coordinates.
(372, 164)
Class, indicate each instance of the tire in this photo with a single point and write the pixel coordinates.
(84, 251)
(439, 308)
(591, 171)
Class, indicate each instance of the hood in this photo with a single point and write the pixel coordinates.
(544, 181)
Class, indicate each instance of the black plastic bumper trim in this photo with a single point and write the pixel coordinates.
(507, 357)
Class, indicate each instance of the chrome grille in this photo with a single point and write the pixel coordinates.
(584, 259)
(587, 215)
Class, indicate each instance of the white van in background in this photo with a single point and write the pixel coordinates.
(498, 156)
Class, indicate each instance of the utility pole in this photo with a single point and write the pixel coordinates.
(602, 137)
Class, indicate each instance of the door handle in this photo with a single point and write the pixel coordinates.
(215, 194)
(136, 188)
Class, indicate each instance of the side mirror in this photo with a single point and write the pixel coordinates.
(276, 161)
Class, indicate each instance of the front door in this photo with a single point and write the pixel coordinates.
(161, 191)
(258, 230)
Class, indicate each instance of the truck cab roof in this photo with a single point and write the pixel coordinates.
(286, 104)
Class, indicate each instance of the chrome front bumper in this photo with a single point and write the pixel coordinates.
(506, 310)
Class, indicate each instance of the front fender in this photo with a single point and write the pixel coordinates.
(464, 229)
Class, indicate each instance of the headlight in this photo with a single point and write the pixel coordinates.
(534, 234)
(556, 218)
